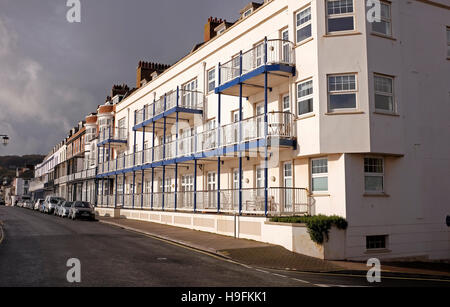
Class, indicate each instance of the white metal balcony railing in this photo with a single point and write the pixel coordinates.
(280, 125)
(193, 100)
(116, 134)
(281, 201)
(278, 52)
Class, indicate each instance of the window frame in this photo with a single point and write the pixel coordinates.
(338, 16)
(385, 239)
(394, 104)
(247, 13)
(342, 92)
(303, 25)
(208, 81)
(306, 97)
(371, 174)
(389, 21)
(319, 175)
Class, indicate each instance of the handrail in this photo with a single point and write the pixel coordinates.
(183, 98)
(271, 51)
(280, 125)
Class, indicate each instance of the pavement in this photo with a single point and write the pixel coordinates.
(269, 256)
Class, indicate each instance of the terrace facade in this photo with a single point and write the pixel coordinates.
(298, 108)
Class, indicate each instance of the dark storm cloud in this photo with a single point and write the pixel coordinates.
(53, 73)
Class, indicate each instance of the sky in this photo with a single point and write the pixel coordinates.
(53, 73)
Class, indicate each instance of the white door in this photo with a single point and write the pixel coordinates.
(236, 188)
(212, 193)
(287, 185)
(260, 120)
(285, 48)
(236, 127)
(259, 55)
(260, 181)
(189, 96)
(187, 187)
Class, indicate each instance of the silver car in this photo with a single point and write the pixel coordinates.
(50, 203)
(37, 204)
(82, 210)
(64, 209)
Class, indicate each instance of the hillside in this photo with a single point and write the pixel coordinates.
(8, 164)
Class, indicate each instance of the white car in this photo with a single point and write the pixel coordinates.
(64, 209)
(50, 203)
(38, 204)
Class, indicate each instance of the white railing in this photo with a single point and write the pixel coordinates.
(280, 201)
(279, 125)
(116, 134)
(193, 100)
(270, 52)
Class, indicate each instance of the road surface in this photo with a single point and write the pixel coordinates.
(36, 248)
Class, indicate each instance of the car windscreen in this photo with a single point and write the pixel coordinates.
(68, 204)
(82, 205)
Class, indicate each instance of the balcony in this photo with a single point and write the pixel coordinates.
(210, 143)
(116, 137)
(181, 101)
(80, 176)
(276, 57)
(281, 201)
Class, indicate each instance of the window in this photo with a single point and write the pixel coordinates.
(319, 175)
(287, 185)
(303, 24)
(384, 26)
(376, 242)
(236, 66)
(305, 97)
(374, 175)
(190, 94)
(259, 54)
(286, 103)
(286, 47)
(384, 93)
(122, 129)
(211, 79)
(247, 13)
(342, 92)
(448, 42)
(340, 15)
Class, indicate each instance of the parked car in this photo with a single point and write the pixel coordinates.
(50, 203)
(64, 209)
(29, 204)
(38, 204)
(58, 206)
(82, 210)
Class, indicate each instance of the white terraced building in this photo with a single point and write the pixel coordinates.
(300, 107)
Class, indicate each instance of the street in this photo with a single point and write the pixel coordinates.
(36, 248)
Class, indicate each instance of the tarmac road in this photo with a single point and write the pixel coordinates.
(36, 248)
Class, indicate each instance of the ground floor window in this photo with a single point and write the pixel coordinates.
(374, 175)
(319, 175)
(376, 242)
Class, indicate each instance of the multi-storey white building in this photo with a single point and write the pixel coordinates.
(300, 107)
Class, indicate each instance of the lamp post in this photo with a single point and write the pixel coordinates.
(5, 139)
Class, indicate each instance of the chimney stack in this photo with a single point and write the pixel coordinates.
(119, 90)
(210, 26)
(145, 71)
